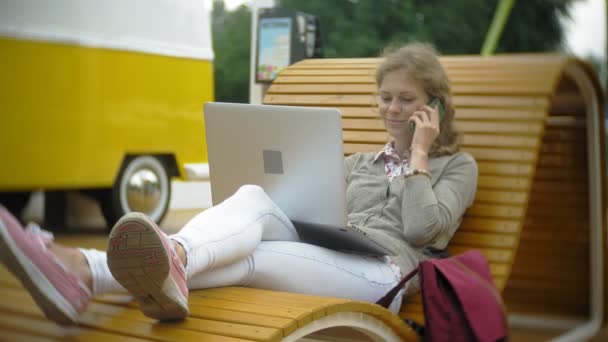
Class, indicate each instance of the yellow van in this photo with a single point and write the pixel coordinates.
(104, 96)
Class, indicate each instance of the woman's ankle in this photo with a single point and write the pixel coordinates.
(75, 261)
(179, 250)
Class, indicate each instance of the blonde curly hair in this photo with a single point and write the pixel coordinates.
(421, 62)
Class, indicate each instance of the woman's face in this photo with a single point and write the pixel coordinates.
(398, 97)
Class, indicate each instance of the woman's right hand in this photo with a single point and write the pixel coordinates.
(426, 130)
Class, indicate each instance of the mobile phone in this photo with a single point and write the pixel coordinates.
(434, 102)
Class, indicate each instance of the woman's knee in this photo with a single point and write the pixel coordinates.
(252, 192)
(251, 189)
(254, 197)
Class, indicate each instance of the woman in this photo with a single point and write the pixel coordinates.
(409, 196)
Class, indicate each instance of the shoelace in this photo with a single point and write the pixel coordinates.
(33, 229)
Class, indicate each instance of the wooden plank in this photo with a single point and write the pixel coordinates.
(374, 124)
(338, 61)
(523, 128)
(234, 304)
(555, 310)
(579, 200)
(564, 213)
(530, 251)
(503, 182)
(501, 197)
(462, 113)
(500, 269)
(328, 72)
(570, 276)
(367, 89)
(455, 75)
(365, 84)
(542, 224)
(214, 326)
(516, 64)
(544, 300)
(559, 161)
(474, 224)
(515, 169)
(561, 174)
(357, 100)
(275, 298)
(555, 147)
(526, 102)
(501, 154)
(543, 285)
(210, 313)
(558, 187)
(341, 79)
(365, 137)
(500, 140)
(564, 103)
(8, 335)
(484, 240)
(335, 65)
(368, 112)
(496, 211)
(505, 255)
(350, 148)
(23, 328)
(106, 317)
(564, 134)
(475, 133)
(574, 237)
(501, 85)
(500, 114)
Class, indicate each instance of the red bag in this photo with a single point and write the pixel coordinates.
(460, 300)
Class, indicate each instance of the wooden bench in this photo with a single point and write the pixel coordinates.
(521, 119)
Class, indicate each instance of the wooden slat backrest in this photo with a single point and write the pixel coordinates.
(551, 274)
(501, 103)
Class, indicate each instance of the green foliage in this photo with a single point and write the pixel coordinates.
(534, 26)
(362, 28)
(231, 32)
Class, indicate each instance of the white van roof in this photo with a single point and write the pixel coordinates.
(180, 28)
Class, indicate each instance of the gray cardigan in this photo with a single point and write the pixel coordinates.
(408, 214)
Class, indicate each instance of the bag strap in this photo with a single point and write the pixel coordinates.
(390, 295)
(430, 251)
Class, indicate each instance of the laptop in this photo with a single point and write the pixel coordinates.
(296, 155)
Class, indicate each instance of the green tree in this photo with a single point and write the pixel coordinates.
(362, 28)
(231, 44)
(534, 26)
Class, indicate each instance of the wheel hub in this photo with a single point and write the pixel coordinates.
(143, 191)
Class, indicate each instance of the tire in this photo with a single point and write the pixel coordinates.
(143, 185)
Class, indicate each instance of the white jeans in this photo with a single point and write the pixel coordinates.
(248, 241)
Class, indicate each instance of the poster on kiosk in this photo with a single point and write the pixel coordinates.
(284, 37)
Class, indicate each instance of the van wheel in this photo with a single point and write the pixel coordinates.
(143, 185)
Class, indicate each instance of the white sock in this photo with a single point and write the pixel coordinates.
(103, 281)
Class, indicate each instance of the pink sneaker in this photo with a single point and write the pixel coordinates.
(142, 259)
(59, 293)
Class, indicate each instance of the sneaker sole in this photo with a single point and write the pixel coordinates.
(140, 263)
(50, 301)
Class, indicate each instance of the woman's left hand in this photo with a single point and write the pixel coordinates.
(427, 128)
